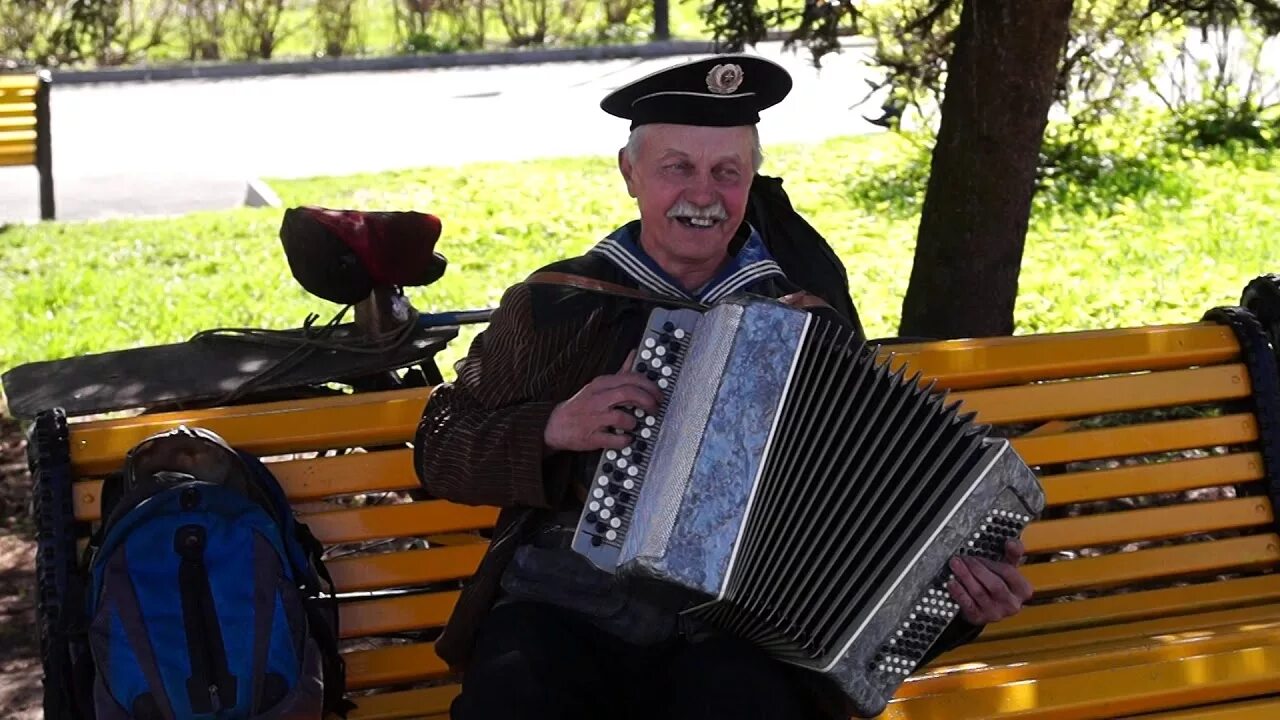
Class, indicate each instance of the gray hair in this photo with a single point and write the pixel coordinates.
(757, 153)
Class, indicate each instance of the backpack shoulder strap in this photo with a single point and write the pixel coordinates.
(582, 282)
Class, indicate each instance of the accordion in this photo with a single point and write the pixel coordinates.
(797, 493)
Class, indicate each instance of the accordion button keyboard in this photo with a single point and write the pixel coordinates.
(902, 652)
(620, 473)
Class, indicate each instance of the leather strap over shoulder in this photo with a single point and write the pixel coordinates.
(801, 299)
(583, 282)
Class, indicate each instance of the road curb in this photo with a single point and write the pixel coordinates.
(534, 56)
(211, 71)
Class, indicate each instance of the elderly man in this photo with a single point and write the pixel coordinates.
(539, 633)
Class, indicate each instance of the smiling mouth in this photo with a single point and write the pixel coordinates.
(697, 223)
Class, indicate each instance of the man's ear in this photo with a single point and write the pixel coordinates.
(626, 168)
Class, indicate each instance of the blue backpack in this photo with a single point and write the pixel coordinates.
(206, 599)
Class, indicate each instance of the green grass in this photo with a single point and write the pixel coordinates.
(1191, 242)
(376, 35)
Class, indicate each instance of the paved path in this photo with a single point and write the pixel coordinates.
(172, 147)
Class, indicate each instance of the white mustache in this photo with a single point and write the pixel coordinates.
(684, 208)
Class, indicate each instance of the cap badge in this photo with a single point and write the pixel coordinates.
(724, 79)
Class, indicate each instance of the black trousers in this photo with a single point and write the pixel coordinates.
(539, 661)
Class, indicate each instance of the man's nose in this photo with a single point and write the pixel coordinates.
(701, 190)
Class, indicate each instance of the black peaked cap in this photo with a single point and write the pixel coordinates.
(718, 91)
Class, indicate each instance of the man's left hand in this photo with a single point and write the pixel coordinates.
(988, 591)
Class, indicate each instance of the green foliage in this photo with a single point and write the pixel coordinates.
(1187, 242)
(1223, 88)
(1217, 125)
(88, 33)
(1096, 170)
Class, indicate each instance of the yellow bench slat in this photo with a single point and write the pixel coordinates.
(17, 138)
(461, 538)
(360, 618)
(393, 665)
(406, 568)
(1254, 551)
(17, 156)
(1109, 692)
(1156, 523)
(1137, 439)
(304, 480)
(1144, 605)
(1028, 648)
(391, 521)
(1135, 650)
(1004, 361)
(362, 420)
(405, 704)
(17, 97)
(1081, 398)
(1164, 477)
(350, 474)
(1266, 708)
(17, 123)
(17, 108)
(19, 82)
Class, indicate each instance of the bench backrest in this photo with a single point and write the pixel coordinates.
(25, 130)
(18, 119)
(1143, 438)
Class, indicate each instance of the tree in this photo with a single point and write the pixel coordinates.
(998, 67)
(1000, 80)
(1000, 85)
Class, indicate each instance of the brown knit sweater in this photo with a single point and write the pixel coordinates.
(480, 438)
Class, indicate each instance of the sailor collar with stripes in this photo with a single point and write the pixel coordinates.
(751, 264)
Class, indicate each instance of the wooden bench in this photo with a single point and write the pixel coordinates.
(1153, 565)
(25, 132)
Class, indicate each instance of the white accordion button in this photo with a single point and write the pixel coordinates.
(594, 506)
(610, 535)
(666, 371)
(662, 383)
(678, 334)
(650, 342)
(611, 454)
(608, 502)
(602, 480)
(626, 452)
(660, 351)
(646, 354)
(633, 471)
(627, 484)
(615, 523)
(597, 493)
(604, 514)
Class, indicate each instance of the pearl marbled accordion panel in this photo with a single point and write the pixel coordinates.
(802, 496)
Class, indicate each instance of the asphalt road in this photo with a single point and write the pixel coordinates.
(171, 147)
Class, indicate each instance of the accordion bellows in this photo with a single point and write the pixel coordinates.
(797, 493)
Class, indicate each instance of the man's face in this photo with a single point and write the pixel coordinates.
(691, 184)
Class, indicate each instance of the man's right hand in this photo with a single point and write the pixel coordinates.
(588, 420)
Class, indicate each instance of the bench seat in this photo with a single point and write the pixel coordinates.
(1153, 564)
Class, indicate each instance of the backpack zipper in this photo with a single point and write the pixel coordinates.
(210, 676)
